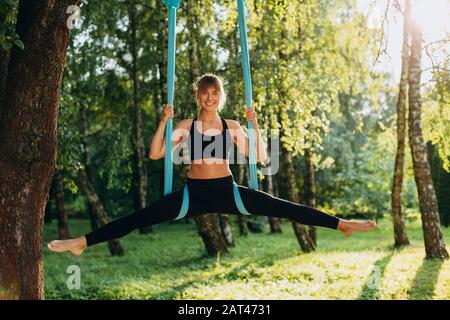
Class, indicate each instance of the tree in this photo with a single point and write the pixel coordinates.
(210, 232)
(85, 179)
(434, 242)
(139, 154)
(285, 54)
(400, 236)
(306, 242)
(28, 142)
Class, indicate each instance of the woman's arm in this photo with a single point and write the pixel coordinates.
(241, 139)
(261, 147)
(158, 144)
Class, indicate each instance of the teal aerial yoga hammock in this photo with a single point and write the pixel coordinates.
(172, 6)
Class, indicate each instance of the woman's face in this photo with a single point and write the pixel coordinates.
(208, 98)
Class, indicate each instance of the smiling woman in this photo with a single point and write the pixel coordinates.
(210, 92)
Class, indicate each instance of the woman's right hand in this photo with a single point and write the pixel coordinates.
(167, 112)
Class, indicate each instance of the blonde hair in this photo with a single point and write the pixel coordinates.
(210, 80)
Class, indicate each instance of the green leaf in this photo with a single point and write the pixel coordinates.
(19, 43)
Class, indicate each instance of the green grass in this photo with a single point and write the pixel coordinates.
(171, 264)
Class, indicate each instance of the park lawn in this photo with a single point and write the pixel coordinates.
(171, 264)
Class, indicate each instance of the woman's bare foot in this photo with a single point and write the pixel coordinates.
(75, 246)
(348, 227)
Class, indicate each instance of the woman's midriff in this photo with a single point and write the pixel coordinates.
(209, 169)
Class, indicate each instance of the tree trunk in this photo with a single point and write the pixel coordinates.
(139, 172)
(226, 230)
(159, 76)
(28, 143)
(274, 222)
(87, 164)
(84, 177)
(303, 237)
(400, 236)
(92, 219)
(243, 228)
(434, 243)
(63, 227)
(310, 190)
(209, 229)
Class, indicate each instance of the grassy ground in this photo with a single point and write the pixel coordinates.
(171, 264)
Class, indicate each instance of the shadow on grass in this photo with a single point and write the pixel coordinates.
(229, 276)
(425, 280)
(186, 262)
(171, 293)
(371, 288)
(244, 270)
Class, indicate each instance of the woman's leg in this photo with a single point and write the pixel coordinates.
(164, 209)
(261, 203)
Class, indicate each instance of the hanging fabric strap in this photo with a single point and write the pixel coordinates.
(238, 200)
(253, 183)
(185, 204)
(172, 6)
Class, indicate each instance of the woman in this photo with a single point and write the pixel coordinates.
(210, 181)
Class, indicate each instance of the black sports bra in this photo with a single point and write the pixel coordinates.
(203, 146)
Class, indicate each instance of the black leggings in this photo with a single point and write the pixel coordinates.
(211, 196)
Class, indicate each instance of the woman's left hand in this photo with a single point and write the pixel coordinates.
(250, 114)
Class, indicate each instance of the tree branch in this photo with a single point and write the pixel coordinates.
(381, 49)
